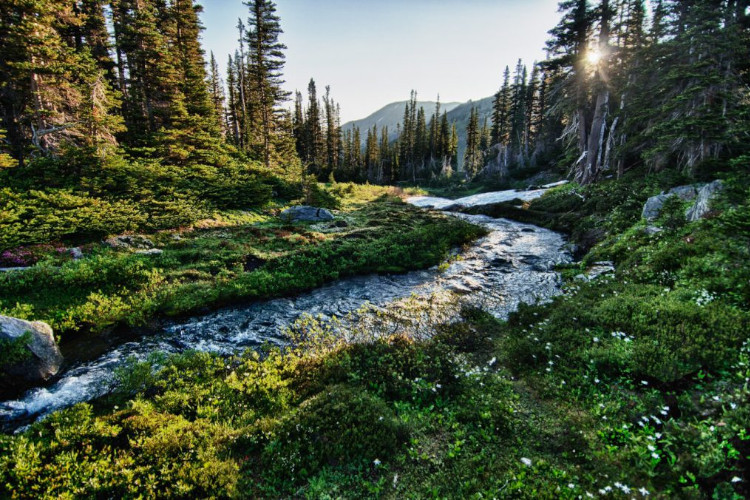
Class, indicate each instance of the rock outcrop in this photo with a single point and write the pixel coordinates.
(304, 213)
(39, 363)
(702, 194)
(702, 204)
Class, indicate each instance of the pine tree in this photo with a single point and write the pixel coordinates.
(357, 164)
(6, 160)
(568, 48)
(218, 96)
(94, 32)
(501, 112)
(333, 131)
(191, 67)
(447, 135)
(314, 138)
(518, 109)
(435, 139)
(234, 110)
(299, 126)
(693, 113)
(421, 142)
(372, 154)
(265, 64)
(53, 90)
(386, 160)
(152, 83)
(472, 155)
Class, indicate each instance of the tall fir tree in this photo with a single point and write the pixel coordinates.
(265, 64)
(472, 155)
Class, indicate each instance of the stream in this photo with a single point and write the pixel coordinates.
(514, 263)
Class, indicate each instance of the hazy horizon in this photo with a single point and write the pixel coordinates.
(372, 54)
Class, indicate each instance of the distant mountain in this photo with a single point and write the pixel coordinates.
(458, 113)
(392, 114)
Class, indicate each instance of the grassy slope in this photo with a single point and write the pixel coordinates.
(619, 388)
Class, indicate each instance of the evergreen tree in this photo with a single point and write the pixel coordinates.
(333, 132)
(185, 29)
(472, 155)
(435, 139)
(234, 110)
(218, 95)
(265, 63)
(314, 139)
(501, 112)
(152, 81)
(386, 158)
(421, 142)
(53, 90)
(299, 126)
(694, 112)
(372, 155)
(518, 109)
(356, 161)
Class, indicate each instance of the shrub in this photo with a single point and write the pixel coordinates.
(338, 427)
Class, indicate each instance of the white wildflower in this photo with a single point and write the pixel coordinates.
(526, 461)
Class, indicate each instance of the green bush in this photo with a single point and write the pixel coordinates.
(339, 427)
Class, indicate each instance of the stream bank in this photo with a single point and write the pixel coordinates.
(514, 263)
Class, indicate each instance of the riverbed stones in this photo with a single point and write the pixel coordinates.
(305, 213)
(41, 361)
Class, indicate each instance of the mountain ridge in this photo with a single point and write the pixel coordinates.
(392, 114)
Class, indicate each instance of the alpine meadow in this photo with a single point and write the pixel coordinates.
(211, 287)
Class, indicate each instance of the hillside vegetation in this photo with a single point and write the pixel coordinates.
(630, 385)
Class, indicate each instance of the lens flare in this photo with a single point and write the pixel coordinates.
(593, 57)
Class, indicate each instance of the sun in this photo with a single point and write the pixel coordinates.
(593, 56)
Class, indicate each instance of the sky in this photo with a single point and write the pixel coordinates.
(374, 52)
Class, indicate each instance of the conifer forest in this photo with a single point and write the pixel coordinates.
(211, 287)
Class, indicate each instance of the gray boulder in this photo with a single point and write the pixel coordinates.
(685, 193)
(152, 251)
(701, 193)
(702, 204)
(76, 253)
(43, 360)
(304, 213)
(130, 241)
(653, 206)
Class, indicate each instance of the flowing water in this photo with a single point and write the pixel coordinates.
(514, 263)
